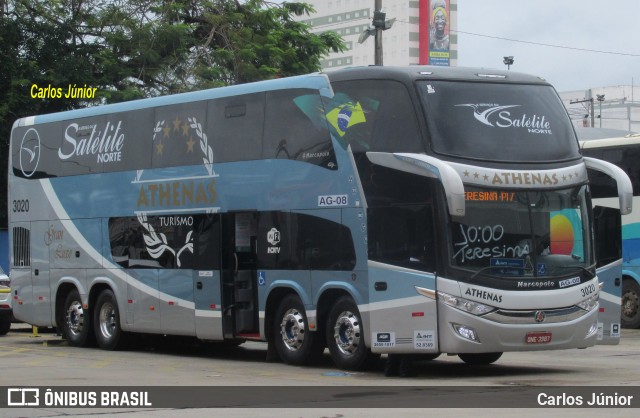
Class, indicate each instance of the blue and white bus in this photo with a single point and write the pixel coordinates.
(372, 210)
(623, 151)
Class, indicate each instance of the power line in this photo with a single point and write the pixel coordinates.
(500, 38)
(548, 45)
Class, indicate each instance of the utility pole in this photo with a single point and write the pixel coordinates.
(379, 24)
(600, 98)
(378, 17)
(591, 107)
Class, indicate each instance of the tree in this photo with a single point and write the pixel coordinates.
(130, 49)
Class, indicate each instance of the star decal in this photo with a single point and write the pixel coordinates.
(190, 143)
(176, 124)
(159, 148)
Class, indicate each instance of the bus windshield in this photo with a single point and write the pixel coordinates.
(497, 121)
(522, 233)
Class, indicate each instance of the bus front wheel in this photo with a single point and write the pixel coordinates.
(77, 321)
(479, 359)
(294, 343)
(5, 323)
(109, 334)
(630, 317)
(345, 336)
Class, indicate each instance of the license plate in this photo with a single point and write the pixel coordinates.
(538, 338)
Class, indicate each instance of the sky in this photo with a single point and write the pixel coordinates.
(610, 26)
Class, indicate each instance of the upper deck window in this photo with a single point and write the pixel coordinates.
(497, 121)
(374, 115)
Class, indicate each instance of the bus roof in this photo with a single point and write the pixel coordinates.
(316, 81)
(632, 139)
(427, 72)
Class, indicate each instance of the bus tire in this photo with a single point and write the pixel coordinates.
(5, 324)
(76, 326)
(294, 343)
(479, 359)
(345, 336)
(630, 315)
(106, 317)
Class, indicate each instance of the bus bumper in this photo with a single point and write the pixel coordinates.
(458, 330)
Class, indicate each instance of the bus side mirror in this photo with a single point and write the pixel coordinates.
(625, 189)
(424, 165)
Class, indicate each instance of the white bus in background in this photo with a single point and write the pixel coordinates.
(623, 151)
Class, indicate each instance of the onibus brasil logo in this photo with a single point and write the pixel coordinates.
(181, 195)
(500, 116)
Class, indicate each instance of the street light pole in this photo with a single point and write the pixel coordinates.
(379, 24)
(600, 98)
(508, 61)
(378, 14)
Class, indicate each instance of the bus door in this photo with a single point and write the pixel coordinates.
(207, 279)
(41, 249)
(239, 274)
(609, 269)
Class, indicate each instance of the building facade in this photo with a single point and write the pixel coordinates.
(424, 31)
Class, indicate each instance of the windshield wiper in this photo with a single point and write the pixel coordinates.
(482, 270)
(589, 273)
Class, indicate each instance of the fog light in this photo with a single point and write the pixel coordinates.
(592, 330)
(466, 332)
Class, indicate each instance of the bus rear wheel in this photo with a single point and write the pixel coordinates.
(345, 336)
(479, 359)
(630, 317)
(294, 343)
(77, 321)
(109, 334)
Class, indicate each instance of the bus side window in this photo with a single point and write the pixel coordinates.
(295, 128)
(234, 127)
(402, 236)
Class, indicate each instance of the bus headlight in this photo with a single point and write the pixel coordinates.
(466, 305)
(590, 303)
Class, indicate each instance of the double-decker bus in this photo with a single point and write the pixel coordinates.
(624, 152)
(371, 210)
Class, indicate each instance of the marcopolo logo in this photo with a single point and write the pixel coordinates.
(29, 152)
(506, 116)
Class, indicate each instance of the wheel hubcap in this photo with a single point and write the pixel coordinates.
(347, 333)
(107, 320)
(292, 329)
(75, 318)
(630, 302)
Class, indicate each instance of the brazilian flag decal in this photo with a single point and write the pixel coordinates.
(345, 116)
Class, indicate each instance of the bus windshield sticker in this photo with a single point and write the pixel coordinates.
(498, 116)
(508, 266)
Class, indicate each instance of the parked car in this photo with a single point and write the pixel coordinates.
(5, 303)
